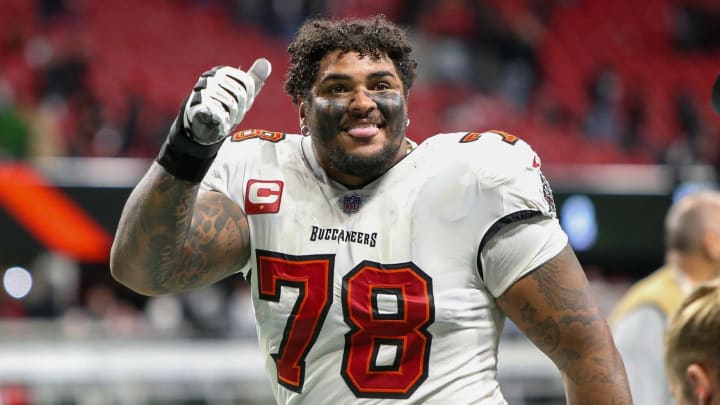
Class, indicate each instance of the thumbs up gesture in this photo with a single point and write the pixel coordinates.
(220, 99)
(217, 103)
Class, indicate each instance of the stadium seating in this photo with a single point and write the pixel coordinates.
(155, 49)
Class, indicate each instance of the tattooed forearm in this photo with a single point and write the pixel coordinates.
(168, 242)
(152, 231)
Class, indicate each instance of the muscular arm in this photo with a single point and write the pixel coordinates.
(555, 308)
(170, 240)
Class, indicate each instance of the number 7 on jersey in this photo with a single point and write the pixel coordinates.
(388, 309)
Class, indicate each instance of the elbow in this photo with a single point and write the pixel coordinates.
(131, 276)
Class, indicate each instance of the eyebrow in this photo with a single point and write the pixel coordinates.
(341, 76)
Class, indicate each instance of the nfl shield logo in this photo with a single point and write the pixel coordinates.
(351, 203)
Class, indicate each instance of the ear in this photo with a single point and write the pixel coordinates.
(700, 383)
(301, 108)
(711, 240)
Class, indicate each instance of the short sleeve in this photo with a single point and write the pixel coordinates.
(519, 248)
(526, 188)
(221, 177)
(213, 182)
(218, 176)
(508, 167)
(521, 231)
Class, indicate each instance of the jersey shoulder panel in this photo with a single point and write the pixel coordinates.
(496, 156)
(247, 145)
(501, 162)
(253, 148)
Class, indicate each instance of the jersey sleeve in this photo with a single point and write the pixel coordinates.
(223, 173)
(519, 248)
(218, 177)
(512, 164)
(523, 231)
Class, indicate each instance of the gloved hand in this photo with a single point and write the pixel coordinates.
(220, 100)
(217, 103)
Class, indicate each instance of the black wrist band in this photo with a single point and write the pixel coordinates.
(183, 158)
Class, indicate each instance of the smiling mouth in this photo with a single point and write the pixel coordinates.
(365, 131)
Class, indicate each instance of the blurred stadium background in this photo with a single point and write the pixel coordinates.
(613, 94)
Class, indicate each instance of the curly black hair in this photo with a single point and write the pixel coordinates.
(373, 36)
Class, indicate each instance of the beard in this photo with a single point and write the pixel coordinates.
(364, 166)
(325, 120)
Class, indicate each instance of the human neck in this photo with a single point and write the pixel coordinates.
(695, 267)
(348, 180)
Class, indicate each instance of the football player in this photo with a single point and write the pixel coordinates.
(381, 270)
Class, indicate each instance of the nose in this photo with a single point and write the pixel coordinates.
(361, 103)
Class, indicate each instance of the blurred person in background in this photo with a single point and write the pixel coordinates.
(379, 269)
(14, 130)
(692, 348)
(692, 246)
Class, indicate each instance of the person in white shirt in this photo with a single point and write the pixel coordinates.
(381, 270)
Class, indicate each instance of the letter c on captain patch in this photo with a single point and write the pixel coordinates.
(263, 196)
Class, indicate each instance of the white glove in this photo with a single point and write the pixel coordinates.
(220, 100)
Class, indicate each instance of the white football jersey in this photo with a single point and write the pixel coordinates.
(381, 294)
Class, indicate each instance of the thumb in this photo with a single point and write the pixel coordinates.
(259, 71)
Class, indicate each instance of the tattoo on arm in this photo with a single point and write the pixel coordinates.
(527, 313)
(182, 243)
(559, 297)
(555, 308)
(165, 229)
(545, 334)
